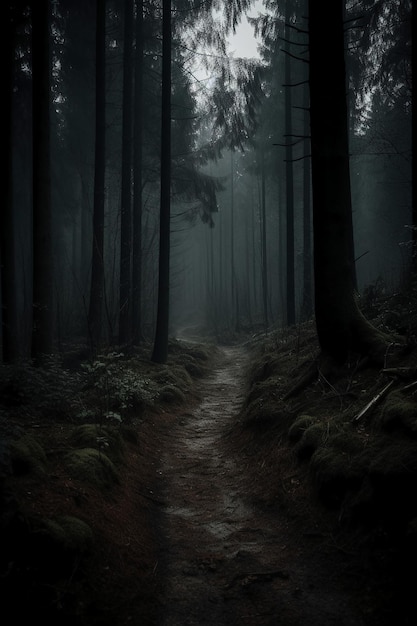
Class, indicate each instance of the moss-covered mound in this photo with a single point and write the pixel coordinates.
(193, 357)
(356, 447)
(107, 439)
(92, 466)
(400, 413)
(27, 455)
(55, 545)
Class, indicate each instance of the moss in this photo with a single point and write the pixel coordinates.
(335, 472)
(55, 545)
(66, 533)
(311, 439)
(103, 438)
(395, 463)
(171, 395)
(92, 466)
(264, 414)
(27, 455)
(199, 353)
(194, 369)
(399, 413)
(267, 389)
(175, 375)
(300, 425)
(78, 536)
(387, 495)
(264, 368)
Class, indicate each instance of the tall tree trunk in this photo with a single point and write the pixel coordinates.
(9, 335)
(414, 136)
(97, 265)
(234, 315)
(43, 315)
(137, 179)
(264, 244)
(248, 285)
(340, 325)
(254, 255)
(85, 259)
(126, 196)
(160, 348)
(307, 259)
(289, 178)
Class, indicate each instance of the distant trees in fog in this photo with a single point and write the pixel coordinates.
(117, 227)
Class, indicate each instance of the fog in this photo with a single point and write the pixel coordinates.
(232, 142)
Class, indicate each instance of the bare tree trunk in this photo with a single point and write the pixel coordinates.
(126, 199)
(414, 136)
(340, 325)
(289, 178)
(7, 243)
(137, 179)
(97, 266)
(42, 329)
(264, 244)
(307, 257)
(234, 311)
(254, 256)
(160, 349)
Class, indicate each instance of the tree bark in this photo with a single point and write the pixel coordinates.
(160, 349)
(9, 333)
(340, 325)
(264, 243)
(414, 137)
(43, 314)
(307, 256)
(126, 196)
(289, 179)
(97, 263)
(137, 179)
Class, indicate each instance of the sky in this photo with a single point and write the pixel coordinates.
(243, 43)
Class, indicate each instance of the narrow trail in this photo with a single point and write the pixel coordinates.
(225, 561)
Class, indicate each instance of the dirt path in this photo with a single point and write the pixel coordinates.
(224, 560)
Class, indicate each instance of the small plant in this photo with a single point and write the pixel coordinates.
(119, 389)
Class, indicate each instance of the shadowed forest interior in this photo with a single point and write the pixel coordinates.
(176, 215)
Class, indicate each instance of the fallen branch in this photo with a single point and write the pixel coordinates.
(410, 386)
(374, 401)
(250, 578)
(406, 373)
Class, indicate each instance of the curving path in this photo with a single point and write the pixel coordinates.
(224, 561)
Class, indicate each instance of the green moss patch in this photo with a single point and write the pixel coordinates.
(27, 455)
(300, 425)
(107, 439)
(67, 534)
(311, 439)
(176, 376)
(171, 395)
(191, 365)
(263, 415)
(336, 472)
(54, 546)
(399, 413)
(92, 466)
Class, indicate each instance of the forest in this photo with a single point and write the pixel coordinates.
(208, 260)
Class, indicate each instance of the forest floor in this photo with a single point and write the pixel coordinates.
(207, 496)
(225, 557)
